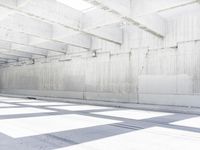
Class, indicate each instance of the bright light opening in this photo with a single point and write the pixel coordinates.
(76, 4)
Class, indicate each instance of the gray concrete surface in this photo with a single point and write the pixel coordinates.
(162, 77)
(27, 124)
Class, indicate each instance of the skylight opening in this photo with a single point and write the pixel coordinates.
(77, 4)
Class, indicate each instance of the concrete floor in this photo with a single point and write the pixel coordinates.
(39, 125)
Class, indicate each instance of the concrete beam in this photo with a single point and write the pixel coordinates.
(8, 57)
(29, 49)
(68, 19)
(97, 18)
(16, 53)
(102, 23)
(2, 60)
(124, 13)
(21, 3)
(26, 40)
(143, 8)
(35, 28)
(9, 46)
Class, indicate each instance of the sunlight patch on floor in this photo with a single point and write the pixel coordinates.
(155, 138)
(133, 114)
(23, 110)
(192, 122)
(23, 127)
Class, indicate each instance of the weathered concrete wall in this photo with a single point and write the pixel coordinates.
(163, 76)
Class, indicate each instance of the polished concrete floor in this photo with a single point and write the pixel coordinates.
(39, 125)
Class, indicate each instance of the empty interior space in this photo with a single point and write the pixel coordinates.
(99, 74)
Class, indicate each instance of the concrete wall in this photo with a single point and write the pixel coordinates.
(163, 76)
(103, 77)
(149, 74)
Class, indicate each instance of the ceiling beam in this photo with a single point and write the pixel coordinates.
(21, 48)
(29, 49)
(8, 57)
(124, 13)
(141, 10)
(175, 6)
(102, 23)
(21, 3)
(16, 53)
(97, 18)
(3, 60)
(36, 28)
(44, 16)
(25, 40)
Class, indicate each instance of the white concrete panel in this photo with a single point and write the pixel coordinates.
(165, 84)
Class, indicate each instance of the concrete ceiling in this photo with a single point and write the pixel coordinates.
(32, 29)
